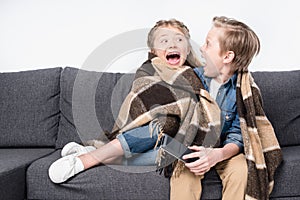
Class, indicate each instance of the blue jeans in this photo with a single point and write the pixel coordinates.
(138, 145)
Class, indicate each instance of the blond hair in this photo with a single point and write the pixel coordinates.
(191, 57)
(240, 39)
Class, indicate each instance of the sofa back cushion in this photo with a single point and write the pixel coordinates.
(89, 103)
(29, 108)
(281, 99)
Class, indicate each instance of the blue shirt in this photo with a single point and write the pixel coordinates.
(226, 99)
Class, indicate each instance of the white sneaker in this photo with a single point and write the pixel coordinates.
(64, 168)
(73, 147)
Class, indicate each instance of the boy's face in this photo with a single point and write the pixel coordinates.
(211, 53)
(171, 46)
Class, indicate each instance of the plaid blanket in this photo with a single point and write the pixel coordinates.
(261, 147)
(176, 99)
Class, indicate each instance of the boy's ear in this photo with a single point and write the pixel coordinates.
(228, 57)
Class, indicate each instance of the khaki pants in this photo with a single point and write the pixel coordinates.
(233, 173)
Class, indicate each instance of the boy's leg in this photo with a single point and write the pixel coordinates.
(186, 186)
(233, 173)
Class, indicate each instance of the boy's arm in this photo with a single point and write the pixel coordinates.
(234, 134)
(209, 157)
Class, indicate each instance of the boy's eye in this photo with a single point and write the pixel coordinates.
(207, 43)
(164, 41)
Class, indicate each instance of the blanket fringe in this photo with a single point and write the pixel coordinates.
(154, 124)
(178, 168)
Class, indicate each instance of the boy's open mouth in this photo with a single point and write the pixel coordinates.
(173, 58)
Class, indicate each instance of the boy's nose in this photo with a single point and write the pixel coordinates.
(201, 48)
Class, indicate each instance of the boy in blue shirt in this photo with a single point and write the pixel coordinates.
(230, 45)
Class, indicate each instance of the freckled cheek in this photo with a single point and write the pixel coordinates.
(184, 54)
(160, 53)
(159, 47)
(184, 46)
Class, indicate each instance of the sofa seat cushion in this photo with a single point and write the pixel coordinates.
(131, 183)
(211, 186)
(101, 182)
(287, 183)
(13, 164)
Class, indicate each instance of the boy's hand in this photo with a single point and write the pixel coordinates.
(208, 157)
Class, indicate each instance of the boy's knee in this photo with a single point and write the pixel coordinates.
(240, 175)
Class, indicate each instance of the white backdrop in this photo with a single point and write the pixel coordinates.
(38, 34)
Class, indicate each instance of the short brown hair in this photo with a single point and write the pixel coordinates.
(191, 57)
(240, 39)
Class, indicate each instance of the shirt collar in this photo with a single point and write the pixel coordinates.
(231, 81)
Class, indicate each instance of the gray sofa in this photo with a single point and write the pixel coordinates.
(41, 110)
